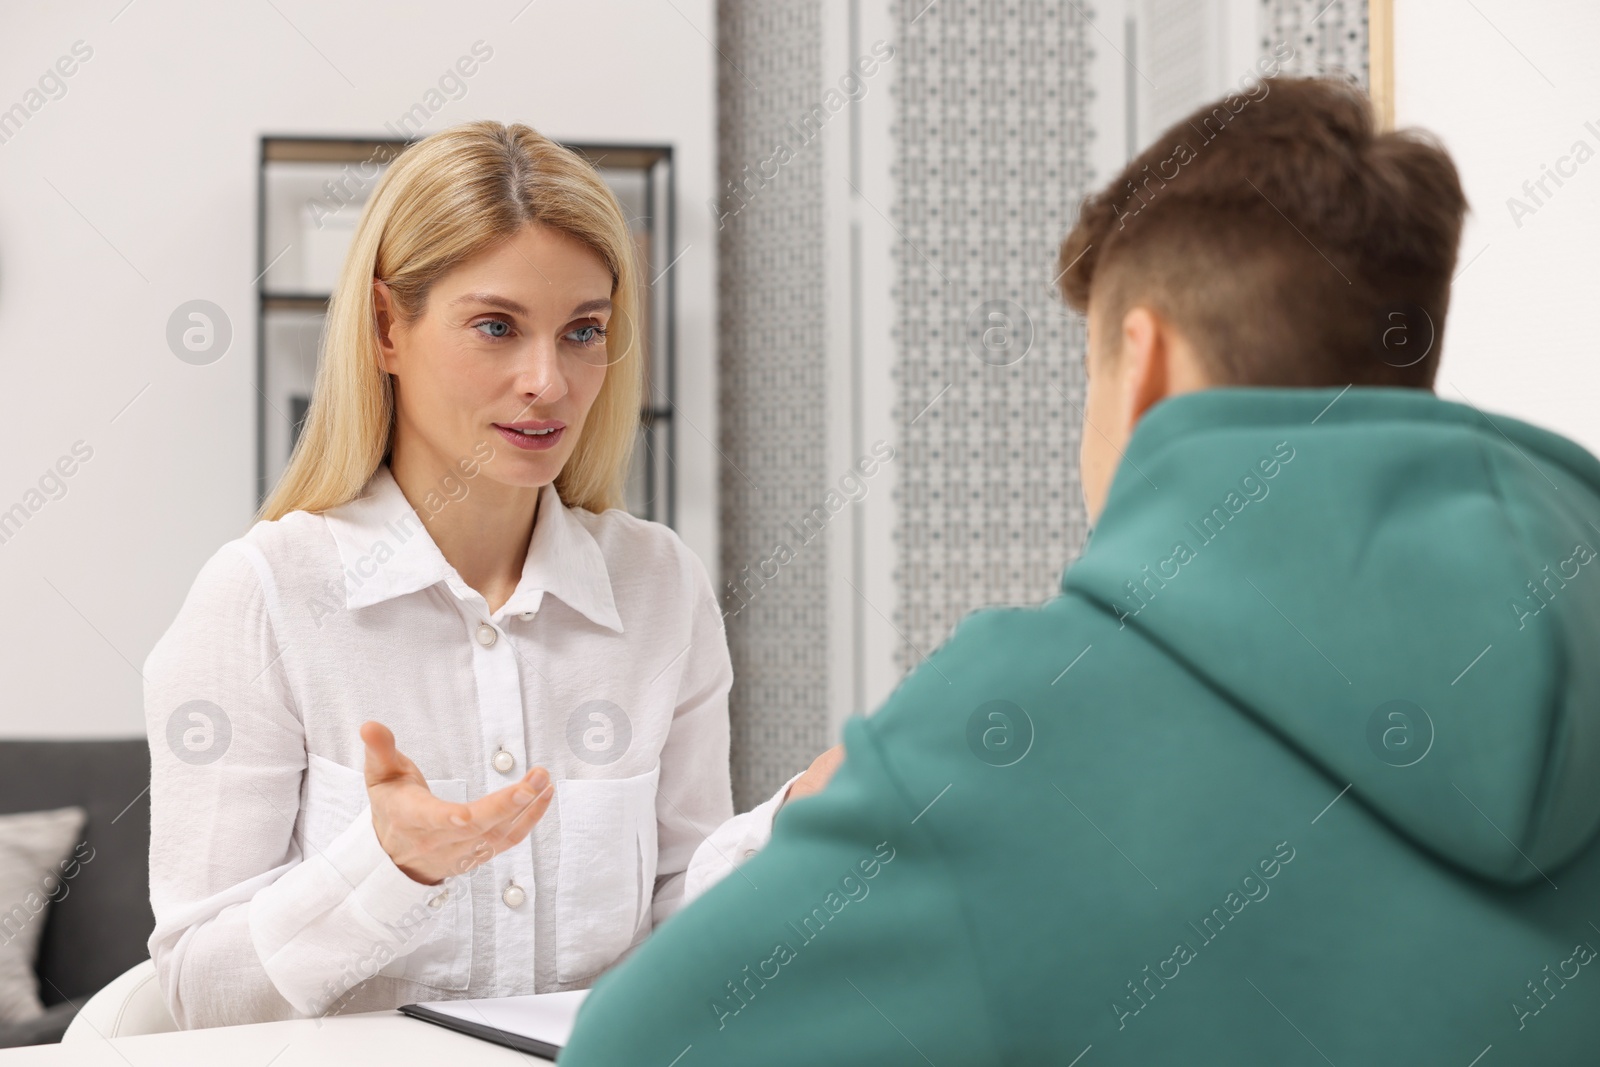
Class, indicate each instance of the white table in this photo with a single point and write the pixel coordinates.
(377, 1037)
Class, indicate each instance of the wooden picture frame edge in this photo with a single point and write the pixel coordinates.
(1380, 60)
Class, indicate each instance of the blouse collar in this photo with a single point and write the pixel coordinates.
(386, 552)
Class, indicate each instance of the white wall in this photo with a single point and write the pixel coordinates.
(135, 191)
(1509, 88)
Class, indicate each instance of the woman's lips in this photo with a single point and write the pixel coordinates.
(534, 442)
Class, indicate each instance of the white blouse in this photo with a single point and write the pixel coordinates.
(608, 666)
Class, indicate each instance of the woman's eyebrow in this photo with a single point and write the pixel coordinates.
(502, 302)
(507, 304)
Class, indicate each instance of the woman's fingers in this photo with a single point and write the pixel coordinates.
(379, 742)
(415, 823)
(384, 762)
(489, 812)
(818, 775)
(511, 833)
(529, 817)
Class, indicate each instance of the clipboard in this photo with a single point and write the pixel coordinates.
(537, 1024)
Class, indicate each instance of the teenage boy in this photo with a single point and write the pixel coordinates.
(1303, 764)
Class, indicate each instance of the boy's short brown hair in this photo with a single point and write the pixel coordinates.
(1286, 238)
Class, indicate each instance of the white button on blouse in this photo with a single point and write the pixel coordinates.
(608, 666)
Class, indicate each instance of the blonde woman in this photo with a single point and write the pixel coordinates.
(445, 722)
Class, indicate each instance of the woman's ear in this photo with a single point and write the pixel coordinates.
(383, 308)
(1145, 363)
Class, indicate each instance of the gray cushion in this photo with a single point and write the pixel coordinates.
(100, 929)
(44, 1030)
(39, 854)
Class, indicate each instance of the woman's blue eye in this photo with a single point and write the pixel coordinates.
(493, 322)
(592, 335)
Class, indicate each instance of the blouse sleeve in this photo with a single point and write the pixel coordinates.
(701, 841)
(694, 793)
(248, 929)
(730, 844)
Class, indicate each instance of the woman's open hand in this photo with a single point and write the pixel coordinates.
(432, 839)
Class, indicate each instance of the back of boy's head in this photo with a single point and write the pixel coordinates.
(1290, 242)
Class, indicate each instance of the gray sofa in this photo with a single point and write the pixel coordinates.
(101, 927)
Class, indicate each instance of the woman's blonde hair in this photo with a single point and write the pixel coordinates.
(444, 200)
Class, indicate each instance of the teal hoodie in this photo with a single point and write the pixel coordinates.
(1301, 767)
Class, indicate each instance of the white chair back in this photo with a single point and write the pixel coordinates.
(131, 1005)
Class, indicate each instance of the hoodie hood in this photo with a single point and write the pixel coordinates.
(1403, 589)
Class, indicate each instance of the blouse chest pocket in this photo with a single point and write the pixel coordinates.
(442, 956)
(605, 877)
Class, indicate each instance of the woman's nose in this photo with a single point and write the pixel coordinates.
(541, 374)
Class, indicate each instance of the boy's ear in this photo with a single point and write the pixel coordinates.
(1146, 362)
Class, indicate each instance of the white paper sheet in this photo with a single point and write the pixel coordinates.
(543, 1016)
